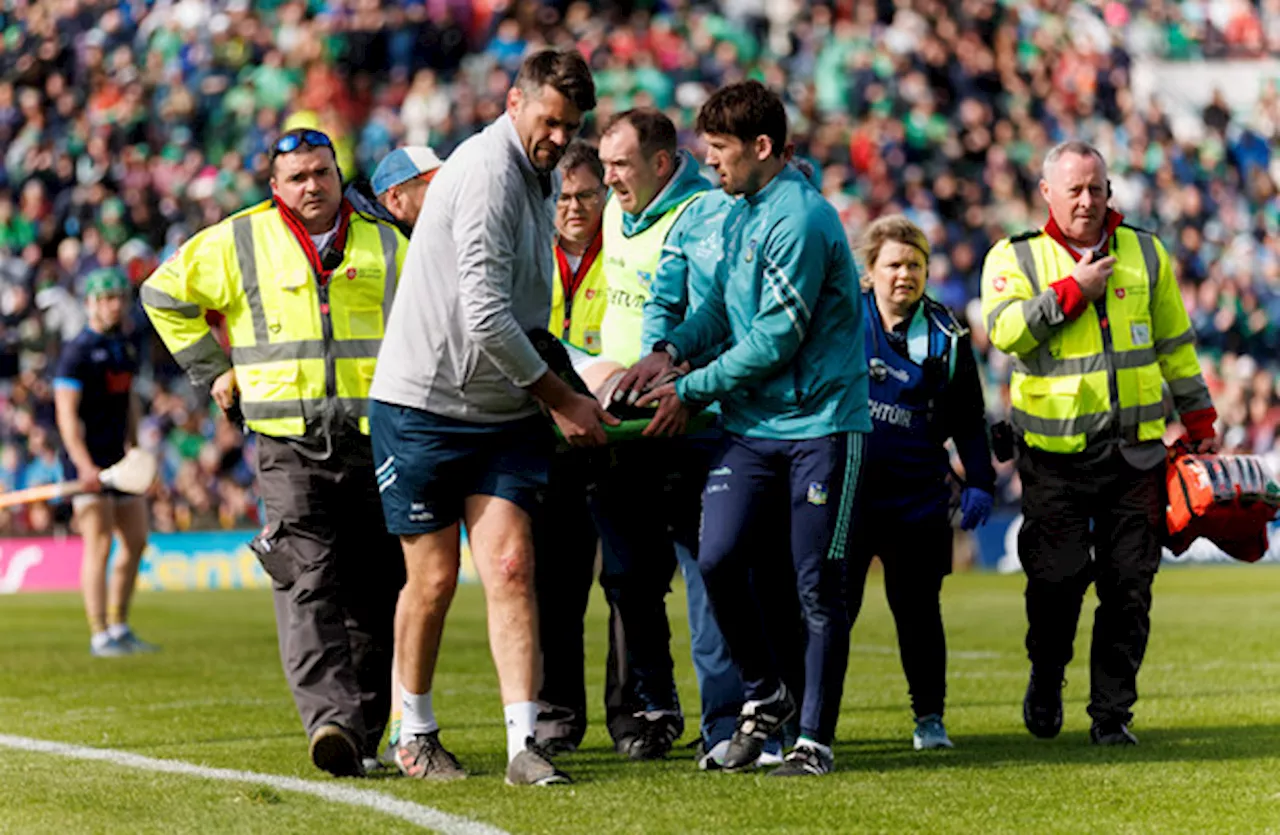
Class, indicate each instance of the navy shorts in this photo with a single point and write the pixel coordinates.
(427, 465)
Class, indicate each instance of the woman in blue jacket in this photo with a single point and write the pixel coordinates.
(924, 389)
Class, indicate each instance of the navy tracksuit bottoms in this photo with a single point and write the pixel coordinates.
(808, 488)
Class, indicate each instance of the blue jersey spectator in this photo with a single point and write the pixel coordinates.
(101, 367)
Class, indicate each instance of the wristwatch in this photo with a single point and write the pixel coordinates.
(666, 347)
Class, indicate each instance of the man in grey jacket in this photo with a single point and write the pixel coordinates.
(455, 414)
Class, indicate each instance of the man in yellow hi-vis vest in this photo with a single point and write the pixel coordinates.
(654, 184)
(564, 528)
(1091, 314)
(305, 285)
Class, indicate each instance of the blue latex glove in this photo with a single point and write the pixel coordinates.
(975, 507)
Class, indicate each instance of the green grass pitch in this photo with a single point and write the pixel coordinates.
(1209, 721)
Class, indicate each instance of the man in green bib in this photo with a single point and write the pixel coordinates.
(652, 184)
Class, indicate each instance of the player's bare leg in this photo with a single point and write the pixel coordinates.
(431, 569)
(501, 538)
(131, 523)
(95, 520)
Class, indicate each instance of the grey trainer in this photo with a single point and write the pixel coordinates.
(531, 768)
(422, 757)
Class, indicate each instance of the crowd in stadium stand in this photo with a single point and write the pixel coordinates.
(128, 125)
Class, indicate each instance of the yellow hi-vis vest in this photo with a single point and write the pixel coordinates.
(1101, 375)
(303, 366)
(629, 267)
(579, 322)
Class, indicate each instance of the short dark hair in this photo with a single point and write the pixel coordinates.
(565, 71)
(578, 154)
(653, 128)
(746, 110)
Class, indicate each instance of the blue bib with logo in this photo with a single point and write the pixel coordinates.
(907, 464)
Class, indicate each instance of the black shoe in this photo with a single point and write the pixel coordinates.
(334, 749)
(555, 746)
(422, 757)
(1111, 733)
(805, 761)
(757, 722)
(654, 740)
(1042, 706)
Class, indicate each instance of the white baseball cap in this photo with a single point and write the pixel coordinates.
(402, 165)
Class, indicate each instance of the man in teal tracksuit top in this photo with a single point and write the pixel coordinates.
(685, 277)
(793, 393)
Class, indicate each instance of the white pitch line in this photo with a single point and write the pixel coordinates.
(415, 813)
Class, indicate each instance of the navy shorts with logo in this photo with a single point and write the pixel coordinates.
(427, 464)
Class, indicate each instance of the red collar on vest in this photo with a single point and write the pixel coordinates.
(1111, 221)
(294, 223)
(571, 280)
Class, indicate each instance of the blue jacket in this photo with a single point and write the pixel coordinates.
(786, 293)
(363, 201)
(924, 388)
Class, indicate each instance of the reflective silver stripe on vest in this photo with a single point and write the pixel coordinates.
(1190, 394)
(246, 257)
(1188, 386)
(305, 349)
(1173, 343)
(1149, 257)
(1137, 358)
(204, 360)
(1042, 364)
(160, 300)
(309, 410)
(1133, 415)
(996, 311)
(1089, 425)
(1059, 427)
(1027, 263)
(390, 243)
(1042, 313)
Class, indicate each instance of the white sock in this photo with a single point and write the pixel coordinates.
(99, 639)
(419, 717)
(520, 717)
(118, 630)
(806, 742)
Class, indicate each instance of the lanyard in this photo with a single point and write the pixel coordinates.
(570, 281)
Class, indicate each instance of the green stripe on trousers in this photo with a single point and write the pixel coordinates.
(848, 495)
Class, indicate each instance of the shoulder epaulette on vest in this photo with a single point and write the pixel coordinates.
(1133, 228)
(254, 209)
(371, 219)
(1026, 236)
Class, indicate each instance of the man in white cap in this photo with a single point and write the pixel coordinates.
(399, 184)
(400, 180)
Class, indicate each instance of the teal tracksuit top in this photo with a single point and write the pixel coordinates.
(785, 297)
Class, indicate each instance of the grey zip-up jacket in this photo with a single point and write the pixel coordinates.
(476, 277)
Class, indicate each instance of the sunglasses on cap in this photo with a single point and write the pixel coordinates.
(291, 142)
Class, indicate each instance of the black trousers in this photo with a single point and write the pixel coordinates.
(565, 544)
(916, 556)
(628, 501)
(336, 574)
(1091, 518)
